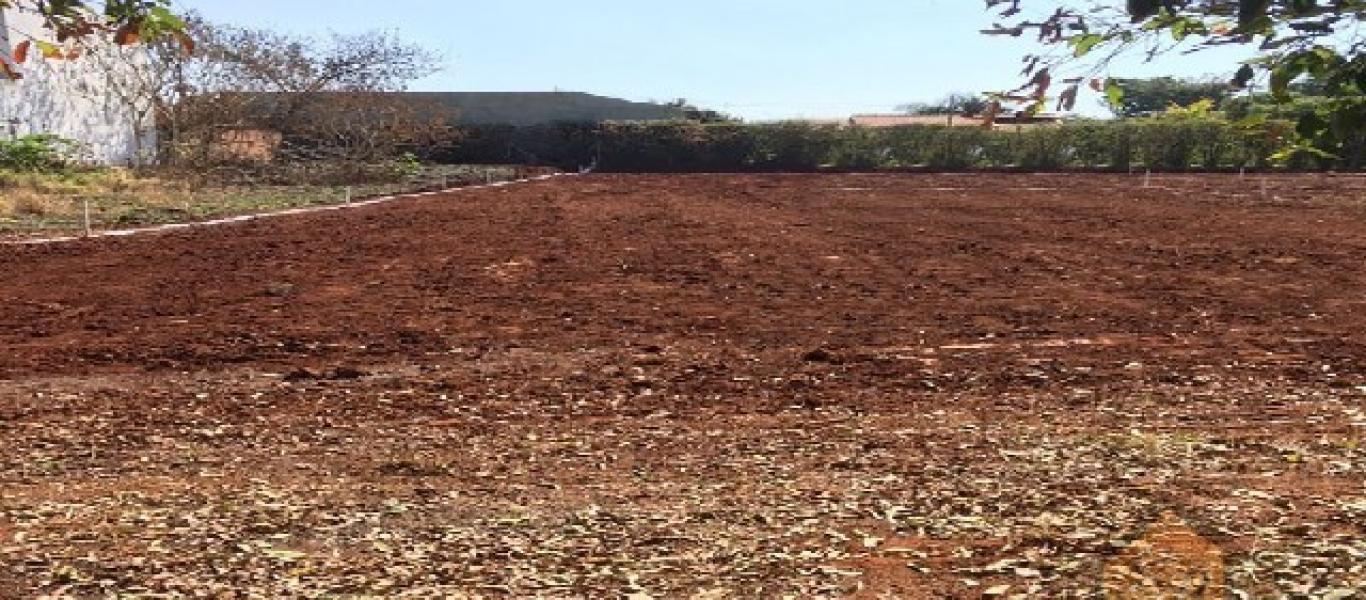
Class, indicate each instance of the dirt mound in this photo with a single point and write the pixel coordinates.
(959, 280)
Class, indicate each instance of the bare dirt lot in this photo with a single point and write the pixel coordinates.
(698, 387)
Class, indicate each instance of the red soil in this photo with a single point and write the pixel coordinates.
(753, 356)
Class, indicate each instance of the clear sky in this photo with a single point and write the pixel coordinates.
(759, 59)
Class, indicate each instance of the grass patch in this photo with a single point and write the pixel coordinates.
(47, 202)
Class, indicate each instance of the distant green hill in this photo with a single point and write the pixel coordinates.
(539, 108)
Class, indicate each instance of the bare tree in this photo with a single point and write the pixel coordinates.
(369, 126)
(267, 61)
(338, 93)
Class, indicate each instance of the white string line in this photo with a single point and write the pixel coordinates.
(384, 199)
(270, 215)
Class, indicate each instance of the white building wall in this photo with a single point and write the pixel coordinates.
(74, 99)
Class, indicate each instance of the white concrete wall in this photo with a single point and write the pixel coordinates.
(75, 99)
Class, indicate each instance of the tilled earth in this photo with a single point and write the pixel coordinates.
(895, 386)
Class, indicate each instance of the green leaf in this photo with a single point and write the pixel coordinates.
(1114, 92)
(1178, 30)
(49, 50)
(159, 21)
(1084, 43)
(1281, 77)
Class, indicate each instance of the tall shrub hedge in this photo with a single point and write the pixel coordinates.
(1169, 145)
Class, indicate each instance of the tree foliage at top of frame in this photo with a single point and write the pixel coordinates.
(1294, 40)
(70, 24)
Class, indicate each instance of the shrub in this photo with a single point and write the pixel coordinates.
(859, 150)
(407, 166)
(35, 153)
(1173, 143)
(793, 146)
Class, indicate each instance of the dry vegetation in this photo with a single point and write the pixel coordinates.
(58, 195)
(41, 203)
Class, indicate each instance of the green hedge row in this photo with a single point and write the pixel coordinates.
(1191, 144)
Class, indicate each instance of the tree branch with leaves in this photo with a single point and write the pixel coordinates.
(69, 27)
(1319, 40)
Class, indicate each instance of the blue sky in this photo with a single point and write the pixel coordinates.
(760, 59)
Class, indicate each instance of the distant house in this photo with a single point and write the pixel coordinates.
(244, 144)
(543, 108)
(76, 99)
(1002, 121)
(901, 119)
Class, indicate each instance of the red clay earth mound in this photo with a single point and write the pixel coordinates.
(696, 386)
(973, 267)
